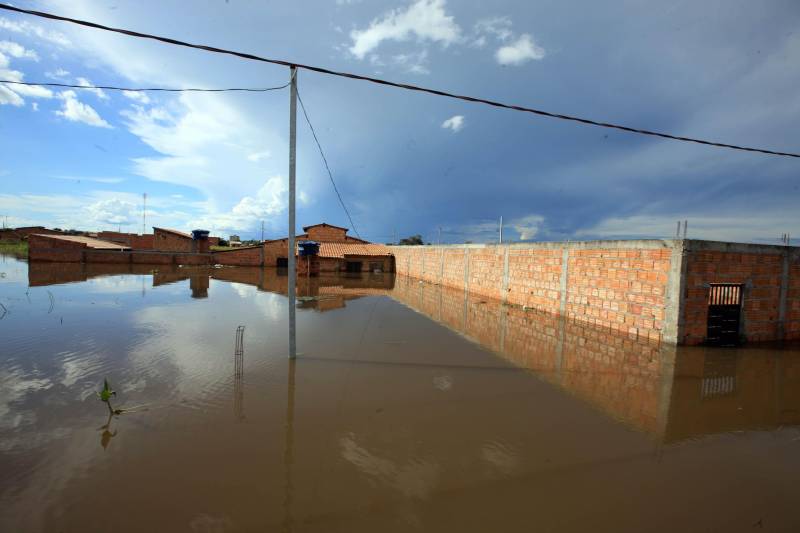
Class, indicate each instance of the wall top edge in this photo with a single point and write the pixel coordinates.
(648, 244)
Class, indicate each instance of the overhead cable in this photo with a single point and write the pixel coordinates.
(406, 86)
(325, 160)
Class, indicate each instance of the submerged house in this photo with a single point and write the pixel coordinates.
(337, 252)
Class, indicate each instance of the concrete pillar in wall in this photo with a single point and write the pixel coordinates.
(563, 288)
(781, 330)
(504, 287)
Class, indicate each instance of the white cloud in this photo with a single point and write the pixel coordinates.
(455, 123)
(520, 51)
(97, 92)
(91, 179)
(16, 50)
(497, 27)
(258, 156)
(58, 74)
(26, 28)
(414, 63)
(137, 96)
(76, 111)
(35, 106)
(113, 212)
(527, 227)
(12, 94)
(424, 19)
(270, 200)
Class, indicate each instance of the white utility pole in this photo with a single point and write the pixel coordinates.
(501, 229)
(439, 238)
(292, 169)
(262, 231)
(144, 213)
(685, 224)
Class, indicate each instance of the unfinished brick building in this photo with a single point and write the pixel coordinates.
(676, 291)
(338, 252)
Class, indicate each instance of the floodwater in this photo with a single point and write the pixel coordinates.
(409, 408)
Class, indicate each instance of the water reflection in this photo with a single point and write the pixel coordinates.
(410, 407)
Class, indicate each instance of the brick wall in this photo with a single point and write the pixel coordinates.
(326, 234)
(657, 289)
(768, 273)
(615, 284)
(251, 256)
(133, 240)
(166, 241)
(51, 250)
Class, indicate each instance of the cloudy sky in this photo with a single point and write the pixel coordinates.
(409, 163)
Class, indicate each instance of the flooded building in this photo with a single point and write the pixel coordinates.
(14, 235)
(338, 252)
(171, 240)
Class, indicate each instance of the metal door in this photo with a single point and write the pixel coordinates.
(724, 314)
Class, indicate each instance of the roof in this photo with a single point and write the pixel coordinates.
(96, 244)
(303, 236)
(305, 228)
(173, 231)
(339, 250)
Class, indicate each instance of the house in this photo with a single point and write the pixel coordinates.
(170, 240)
(338, 252)
(134, 240)
(14, 235)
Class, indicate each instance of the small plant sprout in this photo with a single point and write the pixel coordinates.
(105, 396)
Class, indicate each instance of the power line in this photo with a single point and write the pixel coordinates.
(327, 167)
(406, 86)
(143, 89)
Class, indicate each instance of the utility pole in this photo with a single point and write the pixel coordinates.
(685, 224)
(262, 231)
(501, 229)
(678, 231)
(439, 238)
(292, 184)
(144, 213)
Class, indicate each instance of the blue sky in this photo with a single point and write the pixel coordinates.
(405, 162)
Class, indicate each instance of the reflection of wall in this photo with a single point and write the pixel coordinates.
(622, 375)
(727, 390)
(652, 386)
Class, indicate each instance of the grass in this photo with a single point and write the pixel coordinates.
(221, 248)
(16, 248)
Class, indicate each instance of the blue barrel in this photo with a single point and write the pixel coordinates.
(308, 248)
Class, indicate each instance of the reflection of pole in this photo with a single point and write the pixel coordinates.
(238, 375)
(292, 177)
(288, 450)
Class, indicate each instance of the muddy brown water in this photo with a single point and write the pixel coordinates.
(409, 408)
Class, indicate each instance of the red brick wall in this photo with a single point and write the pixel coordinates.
(327, 234)
(134, 241)
(623, 289)
(760, 272)
(620, 289)
(792, 325)
(45, 249)
(243, 257)
(166, 241)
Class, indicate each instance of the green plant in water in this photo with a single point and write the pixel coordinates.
(105, 396)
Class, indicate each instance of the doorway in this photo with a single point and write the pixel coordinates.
(353, 266)
(724, 314)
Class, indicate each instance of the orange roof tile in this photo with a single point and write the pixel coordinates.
(339, 250)
(305, 228)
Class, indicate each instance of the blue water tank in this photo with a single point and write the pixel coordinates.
(198, 234)
(308, 248)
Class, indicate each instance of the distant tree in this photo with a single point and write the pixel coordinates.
(223, 242)
(411, 241)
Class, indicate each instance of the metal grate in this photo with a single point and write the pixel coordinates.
(725, 294)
